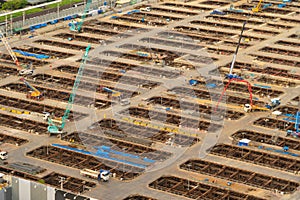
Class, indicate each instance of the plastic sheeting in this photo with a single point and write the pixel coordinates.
(38, 56)
(102, 154)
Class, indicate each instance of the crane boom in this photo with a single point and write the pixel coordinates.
(10, 51)
(52, 128)
(237, 49)
(79, 24)
(28, 85)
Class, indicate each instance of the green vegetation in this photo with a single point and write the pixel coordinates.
(64, 2)
(14, 4)
(35, 10)
(42, 181)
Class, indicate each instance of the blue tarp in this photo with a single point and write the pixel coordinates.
(211, 85)
(37, 26)
(281, 5)
(38, 56)
(142, 54)
(217, 12)
(193, 82)
(289, 115)
(284, 151)
(289, 120)
(133, 11)
(67, 18)
(100, 154)
(108, 149)
(262, 86)
(54, 21)
(231, 76)
(267, 5)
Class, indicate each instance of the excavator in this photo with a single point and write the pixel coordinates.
(34, 93)
(258, 8)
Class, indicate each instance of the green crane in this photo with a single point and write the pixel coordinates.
(52, 128)
(77, 26)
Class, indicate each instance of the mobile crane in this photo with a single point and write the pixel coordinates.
(34, 93)
(295, 119)
(27, 71)
(54, 129)
(76, 26)
(9, 49)
(233, 77)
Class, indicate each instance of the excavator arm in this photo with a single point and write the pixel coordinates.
(258, 7)
(35, 92)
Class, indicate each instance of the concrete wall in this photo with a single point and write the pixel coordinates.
(22, 189)
(6, 194)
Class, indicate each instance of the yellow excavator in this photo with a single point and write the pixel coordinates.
(258, 8)
(34, 93)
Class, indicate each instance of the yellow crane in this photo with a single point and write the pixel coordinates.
(258, 7)
(34, 93)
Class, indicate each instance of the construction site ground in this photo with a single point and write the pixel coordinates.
(174, 140)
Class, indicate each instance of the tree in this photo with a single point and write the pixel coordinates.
(14, 4)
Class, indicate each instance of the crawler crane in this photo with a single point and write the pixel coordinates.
(55, 129)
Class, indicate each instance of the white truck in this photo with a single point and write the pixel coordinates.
(101, 175)
(146, 9)
(3, 155)
(26, 72)
(124, 102)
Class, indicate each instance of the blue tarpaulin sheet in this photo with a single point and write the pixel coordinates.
(67, 18)
(38, 56)
(193, 82)
(262, 86)
(101, 154)
(54, 21)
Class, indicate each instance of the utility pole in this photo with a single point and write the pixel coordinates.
(62, 181)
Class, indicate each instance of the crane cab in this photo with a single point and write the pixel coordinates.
(35, 95)
(104, 175)
(247, 108)
(3, 155)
